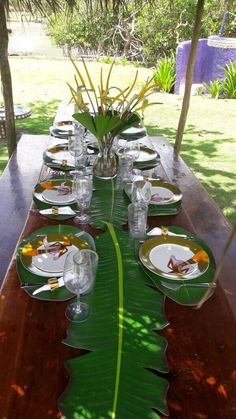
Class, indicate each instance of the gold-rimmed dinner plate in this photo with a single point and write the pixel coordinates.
(45, 255)
(64, 127)
(53, 185)
(133, 133)
(58, 148)
(59, 153)
(146, 154)
(164, 193)
(54, 197)
(174, 257)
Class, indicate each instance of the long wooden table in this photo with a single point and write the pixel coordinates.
(201, 343)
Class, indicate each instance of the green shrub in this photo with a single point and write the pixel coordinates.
(229, 84)
(124, 61)
(107, 60)
(164, 74)
(158, 27)
(214, 88)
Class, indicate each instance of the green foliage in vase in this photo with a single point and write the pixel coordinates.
(108, 110)
(229, 84)
(164, 74)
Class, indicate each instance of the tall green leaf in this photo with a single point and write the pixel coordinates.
(112, 381)
(109, 203)
(101, 125)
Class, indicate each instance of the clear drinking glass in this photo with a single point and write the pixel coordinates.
(137, 219)
(125, 168)
(75, 145)
(79, 276)
(82, 189)
(141, 191)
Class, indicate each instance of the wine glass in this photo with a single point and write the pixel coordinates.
(141, 191)
(132, 148)
(75, 144)
(82, 190)
(79, 276)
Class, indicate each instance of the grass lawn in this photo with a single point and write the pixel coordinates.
(209, 143)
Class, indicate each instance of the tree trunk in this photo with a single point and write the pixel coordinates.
(229, 5)
(6, 82)
(189, 75)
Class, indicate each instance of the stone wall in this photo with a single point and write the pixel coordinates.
(212, 56)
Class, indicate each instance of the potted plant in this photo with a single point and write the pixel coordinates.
(106, 114)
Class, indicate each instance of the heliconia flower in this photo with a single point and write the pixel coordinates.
(111, 113)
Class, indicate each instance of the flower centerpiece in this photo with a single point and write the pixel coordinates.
(106, 112)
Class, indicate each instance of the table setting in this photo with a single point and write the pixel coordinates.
(127, 261)
(117, 278)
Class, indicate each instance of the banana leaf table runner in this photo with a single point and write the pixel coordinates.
(113, 380)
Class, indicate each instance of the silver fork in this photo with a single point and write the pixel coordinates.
(176, 287)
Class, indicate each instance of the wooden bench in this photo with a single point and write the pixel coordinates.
(201, 343)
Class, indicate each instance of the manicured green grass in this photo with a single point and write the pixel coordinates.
(209, 143)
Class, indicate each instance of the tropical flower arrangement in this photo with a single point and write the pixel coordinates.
(107, 111)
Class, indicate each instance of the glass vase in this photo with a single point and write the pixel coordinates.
(106, 163)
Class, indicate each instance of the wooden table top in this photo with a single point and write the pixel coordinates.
(201, 343)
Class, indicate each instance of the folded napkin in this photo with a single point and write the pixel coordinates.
(157, 231)
(64, 113)
(53, 284)
(137, 177)
(61, 211)
(69, 162)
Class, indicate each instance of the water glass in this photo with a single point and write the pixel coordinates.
(137, 219)
(125, 168)
(79, 276)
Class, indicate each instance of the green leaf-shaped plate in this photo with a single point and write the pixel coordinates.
(170, 208)
(186, 295)
(25, 276)
(42, 204)
(53, 153)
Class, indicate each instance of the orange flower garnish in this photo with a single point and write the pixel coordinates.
(47, 185)
(53, 150)
(201, 256)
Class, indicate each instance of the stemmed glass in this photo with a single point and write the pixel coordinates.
(82, 190)
(141, 191)
(79, 276)
(75, 144)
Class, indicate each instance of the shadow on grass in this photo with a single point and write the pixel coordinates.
(43, 114)
(219, 182)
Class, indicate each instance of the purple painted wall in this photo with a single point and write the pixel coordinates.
(212, 56)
